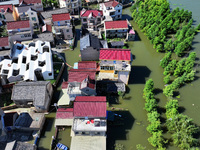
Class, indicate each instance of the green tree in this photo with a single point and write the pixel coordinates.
(168, 45)
(165, 60)
(153, 116)
(167, 79)
(157, 140)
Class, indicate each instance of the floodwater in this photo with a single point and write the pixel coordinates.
(145, 66)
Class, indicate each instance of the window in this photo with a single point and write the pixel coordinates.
(15, 60)
(118, 16)
(84, 20)
(91, 21)
(98, 19)
(41, 63)
(67, 30)
(33, 57)
(45, 49)
(5, 71)
(27, 66)
(119, 10)
(33, 19)
(112, 13)
(24, 60)
(31, 13)
(50, 74)
(15, 72)
(66, 21)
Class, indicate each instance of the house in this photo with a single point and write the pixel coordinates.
(116, 44)
(20, 30)
(90, 19)
(89, 123)
(62, 26)
(9, 12)
(90, 46)
(46, 16)
(30, 121)
(28, 13)
(116, 29)
(17, 145)
(45, 37)
(73, 6)
(64, 117)
(87, 65)
(80, 82)
(29, 94)
(35, 4)
(115, 65)
(29, 63)
(4, 43)
(112, 9)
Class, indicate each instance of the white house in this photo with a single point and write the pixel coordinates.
(29, 62)
(20, 30)
(73, 6)
(112, 9)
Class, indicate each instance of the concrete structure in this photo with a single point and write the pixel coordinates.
(9, 12)
(35, 4)
(20, 30)
(115, 65)
(17, 145)
(29, 62)
(73, 6)
(112, 8)
(62, 26)
(90, 19)
(64, 117)
(45, 37)
(28, 13)
(29, 94)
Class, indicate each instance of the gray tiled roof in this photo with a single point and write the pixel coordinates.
(31, 91)
(44, 37)
(116, 87)
(117, 43)
(48, 14)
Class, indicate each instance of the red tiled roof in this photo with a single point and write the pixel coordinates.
(90, 109)
(18, 24)
(46, 27)
(95, 13)
(87, 65)
(64, 85)
(4, 41)
(111, 3)
(78, 75)
(64, 113)
(5, 7)
(60, 17)
(90, 99)
(30, 1)
(115, 54)
(121, 24)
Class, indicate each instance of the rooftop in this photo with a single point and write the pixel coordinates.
(115, 54)
(48, 14)
(94, 13)
(90, 99)
(61, 17)
(18, 24)
(64, 113)
(44, 37)
(121, 24)
(5, 7)
(78, 75)
(17, 145)
(93, 108)
(87, 65)
(111, 3)
(30, 1)
(4, 41)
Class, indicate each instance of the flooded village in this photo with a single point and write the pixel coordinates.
(73, 73)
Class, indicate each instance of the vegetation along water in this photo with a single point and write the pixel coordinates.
(146, 65)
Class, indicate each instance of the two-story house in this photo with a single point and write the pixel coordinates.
(35, 4)
(81, 82)
(73, 6)
(115, 64)
(116, 29)
(9, 12)
(112, 9)
(31, 62)
(89, 123)
(62, 26)
(91, 18)
(29, 13)
(20, 30)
